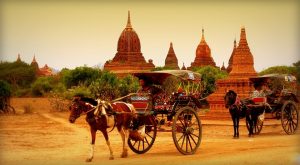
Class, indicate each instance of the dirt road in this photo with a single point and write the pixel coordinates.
(48, 138)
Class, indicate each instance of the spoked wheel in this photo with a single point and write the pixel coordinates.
(289, 117)
(187, 131)
(257, 128)
(142, 146)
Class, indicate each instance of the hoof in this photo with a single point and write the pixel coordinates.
(124, 155)
(88, 159)
(111, 158)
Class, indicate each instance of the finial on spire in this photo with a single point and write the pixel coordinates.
(33, 60)
(171, 44)
(234, 43)
(128, 21)
(202, 37)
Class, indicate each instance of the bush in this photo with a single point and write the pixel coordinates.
(128, 84)
(106, 87)
(42, 86)
(80, 75)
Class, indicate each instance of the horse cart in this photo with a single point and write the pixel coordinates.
(179, 109)
(280, 102)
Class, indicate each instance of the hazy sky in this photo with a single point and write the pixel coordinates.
(76, 33)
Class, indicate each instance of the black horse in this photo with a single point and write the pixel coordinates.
(242, 108)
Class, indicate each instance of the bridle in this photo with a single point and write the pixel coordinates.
(237, 103)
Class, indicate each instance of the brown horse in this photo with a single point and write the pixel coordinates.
(98, 114)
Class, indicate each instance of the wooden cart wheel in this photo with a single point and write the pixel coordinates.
(289, 117)
(258, 127)
(142, 146)
(187, 131)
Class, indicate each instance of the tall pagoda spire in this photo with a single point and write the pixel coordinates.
(171, 60)
(203, 54)
(128, 21)
(19, 58)
(242, 59)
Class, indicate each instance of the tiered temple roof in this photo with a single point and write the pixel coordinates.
(128, 56)
(171, 59)
(203, 54)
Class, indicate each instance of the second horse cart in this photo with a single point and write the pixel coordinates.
(280, 103)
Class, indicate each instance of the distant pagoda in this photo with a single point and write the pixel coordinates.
(128, 56)
(203, 55)
(171, 59)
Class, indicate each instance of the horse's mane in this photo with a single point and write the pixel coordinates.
(89, 100)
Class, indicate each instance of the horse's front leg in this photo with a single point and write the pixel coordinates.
(105, 134)
(91, 154)
(237, 126)
(124, 135)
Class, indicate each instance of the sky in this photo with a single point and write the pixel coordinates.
(69, 34)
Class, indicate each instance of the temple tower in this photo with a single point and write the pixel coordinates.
(241, 68)
(171, 59)
(242, 59)
(19, 58)
(35, 65)
(128, 56)
(203, 54)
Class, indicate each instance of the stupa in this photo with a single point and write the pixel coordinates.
(242, 64)
(128, 56)
(203, 55)
(171, 59)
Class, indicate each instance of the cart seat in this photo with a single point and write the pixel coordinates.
(140, 103)
(259, 100)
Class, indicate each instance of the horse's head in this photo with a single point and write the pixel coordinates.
(230, 98)
(76, 108)
(80, 105)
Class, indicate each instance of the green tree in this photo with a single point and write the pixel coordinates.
(80, 75)
(128, 84)
(297, 66)
(209, 76)
(5, 89)
(19, 74)
(106, 87)
(279, 70)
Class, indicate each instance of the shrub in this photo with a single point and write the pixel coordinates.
(42, 86)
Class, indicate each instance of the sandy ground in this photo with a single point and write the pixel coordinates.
(48, 138)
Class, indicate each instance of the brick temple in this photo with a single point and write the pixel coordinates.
(44, 71)
(241, 66)
(171, 60)
(203, 54)
(129, 56)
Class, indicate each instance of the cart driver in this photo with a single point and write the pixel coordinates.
(261, 90)
(147, 88)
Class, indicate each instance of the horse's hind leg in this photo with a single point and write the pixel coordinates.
(111, 157)
(233, 120)
(91, 155)
(237, 126)
(124, 135)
